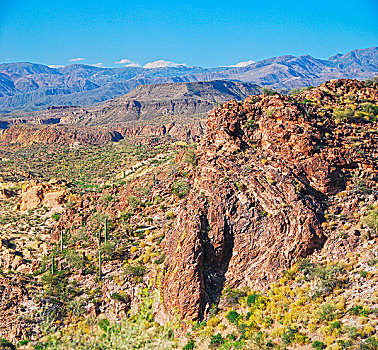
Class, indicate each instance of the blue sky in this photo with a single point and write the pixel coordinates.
(198, 33)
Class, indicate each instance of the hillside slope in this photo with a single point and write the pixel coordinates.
(261, 235)
(174, 109)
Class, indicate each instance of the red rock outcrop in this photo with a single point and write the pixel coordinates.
(265, 169)
(33, 194)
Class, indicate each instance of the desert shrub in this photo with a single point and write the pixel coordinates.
(124, 298)
(251, 124)
(328, 277)
(56, 216)
(259, 340)
(252, 299)
(169, 215)
(6, 345)
(335, 325)
(190, 345)
(326, 312)
(369, 344)
(297, 91)
(268, 91)
(270, 112)
(108, 249)
(343, 114)
(134, 201)
(213, 322)
(370, 82)
(363, 273)
(104, 324)
(358, 310)
(372, 262)
(233, 317)
(75, 259)
(369, 108)
(135, 270)
(289, 335)
(233, 296)
(344, 344)
(371, 220)
(190, 156)
(55, 284)
(106, 197)
(216, 341)
(318, 345)
(180, 188)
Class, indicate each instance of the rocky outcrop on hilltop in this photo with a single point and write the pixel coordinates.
(267, 171)
(187, 131)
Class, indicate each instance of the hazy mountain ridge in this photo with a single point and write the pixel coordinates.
(143, 103)
(35, 86)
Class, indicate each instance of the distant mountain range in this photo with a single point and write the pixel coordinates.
(28, 86)
(143, 103)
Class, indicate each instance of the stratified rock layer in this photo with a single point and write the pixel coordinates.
(265, 170)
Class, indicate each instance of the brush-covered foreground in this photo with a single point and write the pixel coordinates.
(83, 248)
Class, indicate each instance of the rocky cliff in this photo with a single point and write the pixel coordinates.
(268, 168)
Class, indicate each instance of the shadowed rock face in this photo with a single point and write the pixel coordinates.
(265, 169)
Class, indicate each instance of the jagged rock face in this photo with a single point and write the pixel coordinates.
(265, 169)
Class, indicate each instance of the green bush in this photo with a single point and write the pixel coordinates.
(56, 216)
(358, 310)
(216, 341)
(371, 220)
(252, 299)
(233, 317)
(108, 249)
(327, 312)
(318, 345)
(135, 270)
(369, 344)
(335, 325)
(134, 201)
(75, 259)
(289, 335)
(369, 108)
(190, 345)
(343, 114)
(124, 298)
(190, 156)
(180, 188)
(233, 296)
(5, 344)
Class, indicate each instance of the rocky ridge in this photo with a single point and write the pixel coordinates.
(268, 168)
(275, 179)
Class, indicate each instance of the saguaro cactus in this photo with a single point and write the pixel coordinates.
(52, 264)
(99, 264)
(106, 230)
(61, 241)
